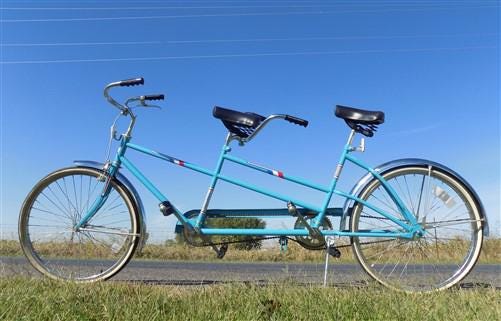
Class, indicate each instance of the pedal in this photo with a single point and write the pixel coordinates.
(283, 241)
(166, 208)
(333, 251)
(222, 251)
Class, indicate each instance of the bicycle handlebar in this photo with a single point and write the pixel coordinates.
(296, 120)
(123, 83)
(131, 82)
(153, 97)
(289, 118)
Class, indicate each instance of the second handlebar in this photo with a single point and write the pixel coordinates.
(131, 82)
(154, 97)
(296, 120)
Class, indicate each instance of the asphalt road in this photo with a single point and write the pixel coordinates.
(191, 273)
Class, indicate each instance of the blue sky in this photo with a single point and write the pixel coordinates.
(432, 66)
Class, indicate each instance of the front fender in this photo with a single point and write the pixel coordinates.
(360, 185)
(122, 179)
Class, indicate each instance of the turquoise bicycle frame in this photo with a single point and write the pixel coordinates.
(409, 226)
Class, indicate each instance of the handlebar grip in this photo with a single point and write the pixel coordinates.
(132, 82)
(296, 120)
(154, 97)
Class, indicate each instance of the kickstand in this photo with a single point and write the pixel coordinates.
(329, 250)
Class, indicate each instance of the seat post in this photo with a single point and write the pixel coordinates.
(229, 138)
(347, 149)
(351, 137)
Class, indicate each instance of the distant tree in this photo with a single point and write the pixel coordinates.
(251, 242)
(248, 242)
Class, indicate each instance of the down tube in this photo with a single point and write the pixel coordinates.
(149, 185)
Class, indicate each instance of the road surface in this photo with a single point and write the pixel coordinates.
(190, 273)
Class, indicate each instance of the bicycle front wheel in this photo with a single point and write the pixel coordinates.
(443, 206)
(53, 208)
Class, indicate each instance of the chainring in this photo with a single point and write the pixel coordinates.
(192, 238)
(309, 242)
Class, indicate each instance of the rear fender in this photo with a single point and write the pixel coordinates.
(362, 183)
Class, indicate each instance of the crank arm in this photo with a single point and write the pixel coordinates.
(314, 232)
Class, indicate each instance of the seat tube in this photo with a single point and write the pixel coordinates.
(339, 168)
(201, 217)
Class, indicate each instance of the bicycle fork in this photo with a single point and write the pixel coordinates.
(99, 202)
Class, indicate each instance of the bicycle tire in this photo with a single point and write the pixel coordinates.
(429, 263)
(50, 212)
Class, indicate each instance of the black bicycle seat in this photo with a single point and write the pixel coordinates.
(360, 120)
(359, 115)
(239, 123)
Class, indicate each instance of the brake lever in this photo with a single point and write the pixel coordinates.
(152, 106)
(143, 104)
(141, 101)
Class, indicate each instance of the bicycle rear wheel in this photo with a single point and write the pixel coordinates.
(450, 215)
(52, 209)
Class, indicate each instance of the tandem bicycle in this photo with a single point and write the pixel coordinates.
(414, 225)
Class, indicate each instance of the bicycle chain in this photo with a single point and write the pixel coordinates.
(195, 244)
(275, 237)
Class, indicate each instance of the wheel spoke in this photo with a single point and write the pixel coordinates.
(65, 212)
(451, 222)
(447, 212)
(49, 212)
(410, 197)
(96, 251)
(420, 197)
(108, 231)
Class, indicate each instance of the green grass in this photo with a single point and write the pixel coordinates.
(491, 253)
(35, 299)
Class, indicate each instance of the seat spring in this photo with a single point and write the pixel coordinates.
(365, 129)
(244, 129)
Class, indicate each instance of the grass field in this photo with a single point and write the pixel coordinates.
(32, 299)
(491, 253)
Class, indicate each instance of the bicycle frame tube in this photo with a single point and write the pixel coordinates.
(393, 194)
(407, 229)
(216, 175)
